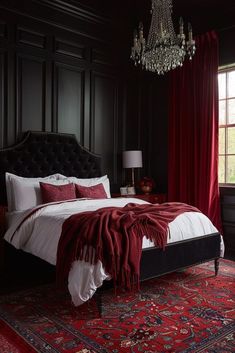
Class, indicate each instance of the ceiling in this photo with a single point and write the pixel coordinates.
(203, 14)
(206, 14)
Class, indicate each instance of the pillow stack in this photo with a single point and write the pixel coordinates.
(24, 193)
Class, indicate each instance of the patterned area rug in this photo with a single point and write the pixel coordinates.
(188, 311)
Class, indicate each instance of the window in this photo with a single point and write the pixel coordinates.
(226, 80)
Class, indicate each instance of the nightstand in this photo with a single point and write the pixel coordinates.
(152, 198)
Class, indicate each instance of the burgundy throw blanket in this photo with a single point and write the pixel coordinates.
(114, 235)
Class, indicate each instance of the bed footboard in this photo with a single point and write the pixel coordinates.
(179, 255)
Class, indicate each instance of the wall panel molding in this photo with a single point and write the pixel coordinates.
(69, 90)
(65, 16)
(29, 37)
(69, 48)
(104, 125)
(58, 74)
(75, 9)
(101, 56)
(3, 30)
(31, 93)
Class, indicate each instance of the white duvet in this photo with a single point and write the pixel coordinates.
(40, 233)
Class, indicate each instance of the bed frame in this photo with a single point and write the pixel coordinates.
(42, 153)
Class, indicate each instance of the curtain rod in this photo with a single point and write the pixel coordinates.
(225, 28)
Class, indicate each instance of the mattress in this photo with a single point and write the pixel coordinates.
(40, 232)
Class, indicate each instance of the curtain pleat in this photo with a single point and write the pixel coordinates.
(193, 130)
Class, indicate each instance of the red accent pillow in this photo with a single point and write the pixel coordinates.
(53, 193)
(93, 192)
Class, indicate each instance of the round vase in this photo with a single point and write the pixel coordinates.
(146, 189)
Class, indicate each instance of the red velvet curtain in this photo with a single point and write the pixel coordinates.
(193, 130)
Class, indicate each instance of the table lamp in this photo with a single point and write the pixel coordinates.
(132, 159)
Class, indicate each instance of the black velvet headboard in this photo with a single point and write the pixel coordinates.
(42, 154)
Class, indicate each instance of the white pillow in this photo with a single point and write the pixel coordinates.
(90, 182)
(24, 193)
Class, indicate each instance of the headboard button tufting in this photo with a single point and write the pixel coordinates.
(42, 153)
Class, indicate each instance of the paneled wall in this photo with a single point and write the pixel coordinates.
(65, 66)
(57, 74)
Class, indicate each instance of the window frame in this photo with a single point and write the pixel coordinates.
(226, 70)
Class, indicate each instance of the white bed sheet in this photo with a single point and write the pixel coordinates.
(40, 233)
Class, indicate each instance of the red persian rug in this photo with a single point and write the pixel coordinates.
(189, 311)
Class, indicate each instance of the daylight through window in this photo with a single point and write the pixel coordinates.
(226, 80)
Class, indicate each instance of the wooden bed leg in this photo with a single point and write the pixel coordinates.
(216, 266)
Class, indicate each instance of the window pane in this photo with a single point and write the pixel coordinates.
(221, 140)
(222, 116)
(222, 85)
(221, 169)
(231, 111)
(231, 140)
(231, 84)
(226, 168)
(230, 169)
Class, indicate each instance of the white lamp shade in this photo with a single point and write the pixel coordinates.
(132, 159)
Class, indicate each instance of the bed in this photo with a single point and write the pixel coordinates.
(41, 154)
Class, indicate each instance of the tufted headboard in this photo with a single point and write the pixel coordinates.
(44, 153)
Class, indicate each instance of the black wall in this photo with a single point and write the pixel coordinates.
(64, 66)
(57, 73)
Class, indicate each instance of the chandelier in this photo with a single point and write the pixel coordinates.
(164, 50)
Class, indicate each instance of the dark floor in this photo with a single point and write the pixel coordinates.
(25, 277)
(229, 256)
(22, 275)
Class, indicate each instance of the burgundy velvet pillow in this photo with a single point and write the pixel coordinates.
(93, 192)
(53, 193)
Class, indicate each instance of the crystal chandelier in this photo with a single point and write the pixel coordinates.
(164, 50)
